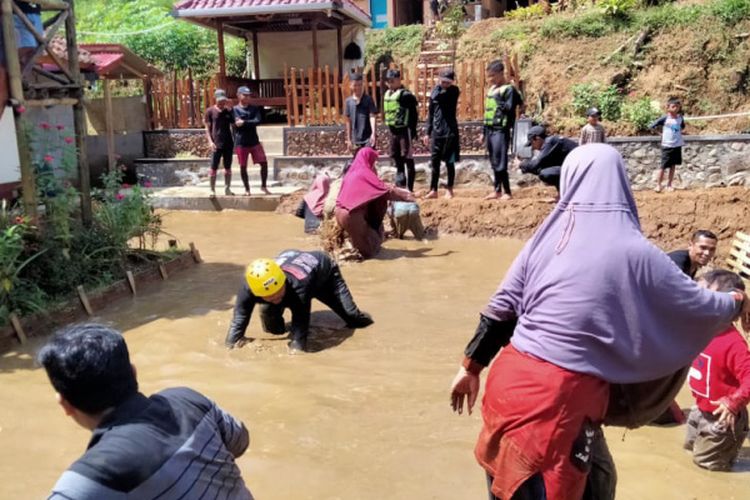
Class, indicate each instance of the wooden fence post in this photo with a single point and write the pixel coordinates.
(288, 92)
(328, 96)
(295, 107)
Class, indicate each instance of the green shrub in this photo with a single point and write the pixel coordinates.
(607, 99)
(640, 113)
(668, 15)
(617, 8)
(730, 12)
(524, 13)
(592, 23)
(399, 42)
(511, 33)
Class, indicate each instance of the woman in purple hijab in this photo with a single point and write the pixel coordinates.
(587, 306)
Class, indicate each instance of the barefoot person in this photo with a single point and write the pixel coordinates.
(500, 106)
(246, 120)
(291, 281)
(441, 130)
(401, 116)
(167, 445)
(573, 329)
(359, 115)
(219, 120)
(362, 203)
(552, 153)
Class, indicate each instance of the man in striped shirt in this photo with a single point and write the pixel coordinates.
(173, 444)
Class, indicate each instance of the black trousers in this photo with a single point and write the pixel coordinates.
(444, 149)
(224, 154)
(497, 147)
(405, 173)
(551, 177)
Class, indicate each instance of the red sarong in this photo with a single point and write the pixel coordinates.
(537, 419)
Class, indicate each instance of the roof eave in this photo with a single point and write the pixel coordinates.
(195, 14)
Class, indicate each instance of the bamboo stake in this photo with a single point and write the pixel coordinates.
(337, 94)
(328, 96)
(196, 254)
(294, 97)
(84, 300)
(18, 328)
(131, 281)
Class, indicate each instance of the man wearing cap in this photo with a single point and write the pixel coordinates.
(246, 120)
(400, 108)
(442, 129)
(359, 112)
(552, 152)
(593, 130)
(219, 120)
(500, 106)
(291, 281)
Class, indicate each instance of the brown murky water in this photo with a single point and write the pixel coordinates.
(364, 417)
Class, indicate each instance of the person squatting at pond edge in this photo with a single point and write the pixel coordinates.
(400, 110)
(171, 444)
(552, 153)
(312, 206)
(246, 120)
(292, 281)
(404, 217)
(442, 129)
(219, 120)
(500, 108)
(672, 124)
(548, 390)
(720, 382)
(362, 203)
(359, 115)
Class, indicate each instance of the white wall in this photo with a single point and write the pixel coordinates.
(10, 170)
(295, 49)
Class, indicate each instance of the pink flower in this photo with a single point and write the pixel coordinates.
(20, 220)
(126, 186)
(120, 197)
(148, 184)
(20, 109)
(44, 125)
(68, 140)
(60, 126)
(49, 158)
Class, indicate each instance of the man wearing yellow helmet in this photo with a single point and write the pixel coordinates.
(291, 281)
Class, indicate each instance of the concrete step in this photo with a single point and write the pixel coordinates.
(271, 133)
(197, 197)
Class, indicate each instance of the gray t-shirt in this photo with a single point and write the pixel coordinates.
(359, 113)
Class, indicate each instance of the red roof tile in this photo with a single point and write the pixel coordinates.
(202, 5)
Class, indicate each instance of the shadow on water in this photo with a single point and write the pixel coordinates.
(180, 297)
(409, 253)
(327, 330)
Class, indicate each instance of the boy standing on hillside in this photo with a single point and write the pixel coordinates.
(500, 106)
(720, 382)
(593, 130)
(359, 111)
(400, 110)
(672, 125)
(442, 129)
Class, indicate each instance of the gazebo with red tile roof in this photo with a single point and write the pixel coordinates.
(248, 19)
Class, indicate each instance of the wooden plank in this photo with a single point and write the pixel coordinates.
(256, 56)
(163, 271)
(222, 53)
(288, 92)
(18, 328)
(309, 116)
(329, 119)
(319, 91)
(295, 106)
(337, 95)
(316, 55)
(739, 235)
(84, 300)
(195, 253)
(462, 109)
(339, 53)
(111, 164)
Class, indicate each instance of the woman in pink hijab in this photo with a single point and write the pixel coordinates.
(363, 201)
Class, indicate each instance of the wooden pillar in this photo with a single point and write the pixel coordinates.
(79, 116)
(222, 54)
(256, 56)
(339, 51)
(111, 162)
(28, 181)
(316, 61)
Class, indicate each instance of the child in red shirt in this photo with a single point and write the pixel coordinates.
(720, 382)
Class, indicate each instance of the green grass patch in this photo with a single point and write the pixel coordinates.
(401, 42)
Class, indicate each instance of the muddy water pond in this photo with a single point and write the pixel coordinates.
(365, 416)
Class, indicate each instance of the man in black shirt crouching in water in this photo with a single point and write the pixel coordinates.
(292, 281)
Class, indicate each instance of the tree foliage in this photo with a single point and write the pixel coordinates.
(170, 44)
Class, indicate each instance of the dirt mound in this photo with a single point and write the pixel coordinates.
(668, 219)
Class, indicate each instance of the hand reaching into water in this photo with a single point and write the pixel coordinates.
(465, 385)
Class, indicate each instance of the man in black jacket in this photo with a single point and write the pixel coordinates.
(552, 152)
(442, 129)
(291, 281)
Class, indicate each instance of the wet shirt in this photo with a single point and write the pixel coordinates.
(174, 444)
(29, 8)
(306, 274)
(219, 125)
(359, 113)
(441, 119)
(247, 134)
(682, 259)
(553, 154)
(671, 132)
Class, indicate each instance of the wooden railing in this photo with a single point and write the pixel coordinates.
(739, 256)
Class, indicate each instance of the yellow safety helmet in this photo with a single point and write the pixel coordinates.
(264, 277)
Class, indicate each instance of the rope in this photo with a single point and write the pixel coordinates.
(713, 117)
(127, 33)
